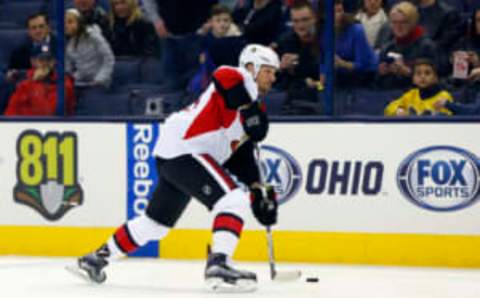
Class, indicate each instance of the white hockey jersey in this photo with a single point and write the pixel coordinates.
(207, 126)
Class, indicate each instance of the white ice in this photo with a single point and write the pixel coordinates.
(136, 278)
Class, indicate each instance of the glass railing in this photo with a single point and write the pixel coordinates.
(336, 60)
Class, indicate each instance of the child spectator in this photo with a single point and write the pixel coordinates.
(130, 34)
(37, 95)
(223, 40)
(222, 43)
(424, 98)
(89, 58)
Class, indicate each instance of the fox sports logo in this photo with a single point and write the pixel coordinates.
(440, 178)
(281, 170)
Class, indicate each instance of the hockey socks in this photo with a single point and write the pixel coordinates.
(134, 234)
(227, 228)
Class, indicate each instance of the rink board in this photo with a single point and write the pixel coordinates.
(371, 193)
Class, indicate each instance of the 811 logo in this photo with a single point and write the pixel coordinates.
(440, 178)
(282, 171)
(47, 173)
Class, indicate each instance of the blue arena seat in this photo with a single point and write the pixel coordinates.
(126, 71)
(9, 40)
(150, 71)
(154, 101)
(372, 102)
(18, 11)
(100, 102)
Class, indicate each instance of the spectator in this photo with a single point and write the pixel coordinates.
(425, 97)
(470, 44)
(300, 58)
(93, 14)
(409, 44)
(261, 21)
(373, 17)
(89, 58)
(37, 95)
(39, 35)
(222, 38)
(176, 23)
(355, 60)
(222, 43)
(443, 25)
(130, 34)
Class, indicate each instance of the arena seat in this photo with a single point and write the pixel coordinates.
(100, 102)
(154, 101)
(18, 11)
(9, 40)
(150, 71)
(372, 102)
(125, 72)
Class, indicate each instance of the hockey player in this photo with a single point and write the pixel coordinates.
(200, 151)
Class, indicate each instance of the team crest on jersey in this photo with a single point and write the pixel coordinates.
(47, 173)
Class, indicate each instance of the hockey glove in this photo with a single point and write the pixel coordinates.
(255, 122)
(264, 204)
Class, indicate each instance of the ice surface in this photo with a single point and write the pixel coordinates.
(136, 278)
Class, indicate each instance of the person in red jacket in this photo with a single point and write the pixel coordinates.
(37, 94)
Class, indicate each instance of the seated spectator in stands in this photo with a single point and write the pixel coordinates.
(176, 23)
(355, 60)
(222, 38)
(299, 54)
(424, 98)
(469, 48)
(443, 24)
(458, 109)
(89, 58)
(222, 43)
(39, 35)
(93, 14)
(409, 44)
(373, 17)
(37, 95)
(261, 21)
(129, 33)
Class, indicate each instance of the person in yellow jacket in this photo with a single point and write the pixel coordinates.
(422, 98)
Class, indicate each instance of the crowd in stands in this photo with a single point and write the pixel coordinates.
(150, 57)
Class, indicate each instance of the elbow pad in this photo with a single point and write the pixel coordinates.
(235, 97)
(255, 122)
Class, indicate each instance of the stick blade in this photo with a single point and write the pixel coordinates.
(285, 276)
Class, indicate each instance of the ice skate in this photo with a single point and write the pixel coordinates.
(90, 267)
(221, 277)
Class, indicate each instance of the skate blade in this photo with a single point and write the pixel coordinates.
(82, 274)
(220, 286)
(75, 271)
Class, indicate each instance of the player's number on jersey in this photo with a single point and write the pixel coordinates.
(41, 158)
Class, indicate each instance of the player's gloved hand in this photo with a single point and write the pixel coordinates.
(264, 204)
(254, 121)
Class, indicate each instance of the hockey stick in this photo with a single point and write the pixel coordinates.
(275, 275)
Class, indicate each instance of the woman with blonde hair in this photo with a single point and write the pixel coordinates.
(89, 58)
(130, 34)
(409, 44)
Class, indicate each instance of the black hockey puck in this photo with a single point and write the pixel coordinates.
(312, 279)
